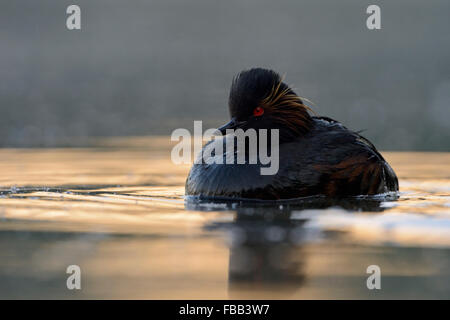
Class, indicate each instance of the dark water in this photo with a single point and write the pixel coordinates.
(118, 211)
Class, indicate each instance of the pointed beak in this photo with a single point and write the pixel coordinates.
(233, 124)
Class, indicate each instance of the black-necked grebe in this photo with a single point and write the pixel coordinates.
(317, 155)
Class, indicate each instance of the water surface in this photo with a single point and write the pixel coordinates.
(117, 209)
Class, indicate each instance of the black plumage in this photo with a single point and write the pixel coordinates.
(317, 155)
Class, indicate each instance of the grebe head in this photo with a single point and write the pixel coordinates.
(259, 99)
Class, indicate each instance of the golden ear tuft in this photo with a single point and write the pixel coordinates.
(284, 98)
(287, 108)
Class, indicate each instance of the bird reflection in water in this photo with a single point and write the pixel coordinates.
(267, 239)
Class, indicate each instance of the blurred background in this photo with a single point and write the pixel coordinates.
(139, 69)
(148, 67)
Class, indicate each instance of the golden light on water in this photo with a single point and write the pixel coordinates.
(117, 210)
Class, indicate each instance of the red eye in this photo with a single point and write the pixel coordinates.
(258, 111)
